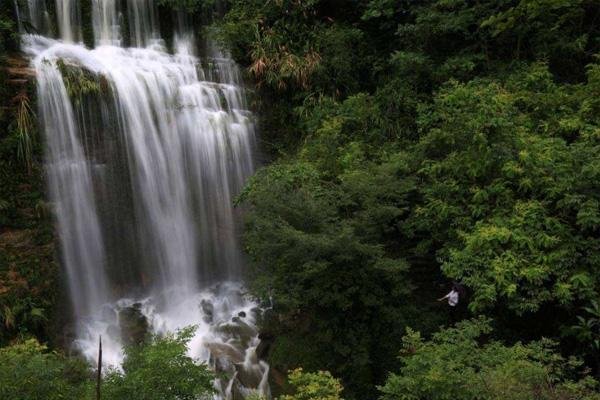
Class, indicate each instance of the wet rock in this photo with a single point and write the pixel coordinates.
(208, 309)
(256, 313)
(263, 348)
(237, 392)
(222, 350)
(222, 365)
(248, 377)
(243, 327)
(237, 343)
(238, 329)
(133, 324)
(242, 314)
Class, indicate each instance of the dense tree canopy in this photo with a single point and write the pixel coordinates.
(160, 370)
(418, 143)
(455, 365)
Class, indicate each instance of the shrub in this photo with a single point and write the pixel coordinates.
(458, 363)
(313, 386)
(160, 370)
(28, 371)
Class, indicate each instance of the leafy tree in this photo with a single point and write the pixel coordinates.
(587, 329)
(313, 386)
(160, 370)
(459, 363)
(509, 183)
(28, 371)
(257, 35)
(320, 249)
(496, 186)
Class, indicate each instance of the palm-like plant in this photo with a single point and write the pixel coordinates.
(25, 131)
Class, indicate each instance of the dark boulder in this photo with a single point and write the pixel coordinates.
(133, 324)
(208, 309)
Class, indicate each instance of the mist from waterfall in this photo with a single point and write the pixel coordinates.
(142, 174)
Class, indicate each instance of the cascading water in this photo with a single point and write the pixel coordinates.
(146, 151)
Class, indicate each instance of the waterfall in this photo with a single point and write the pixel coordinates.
(146, 151)
(32, 16)
(71, 186)
(105, 20)
(68, 13)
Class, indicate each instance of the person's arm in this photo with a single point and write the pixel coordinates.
(444, 298)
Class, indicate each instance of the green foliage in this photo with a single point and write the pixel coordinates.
(25, 132)
(518, 197)
(81, 82)
(313, 386)
(379, 9)
(28, 371)
(563, 32)
(160, 370)
(344, 136)
(587, 329)
(546, 29)
(303, 213)
(461, 143)
(287, 47)
(320, 249)
(458, 363)
(9, 35)
(274, 58)
(28, 273)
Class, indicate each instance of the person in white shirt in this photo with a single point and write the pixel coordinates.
(453, 296)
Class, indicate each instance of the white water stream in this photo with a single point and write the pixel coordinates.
(143, 163)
